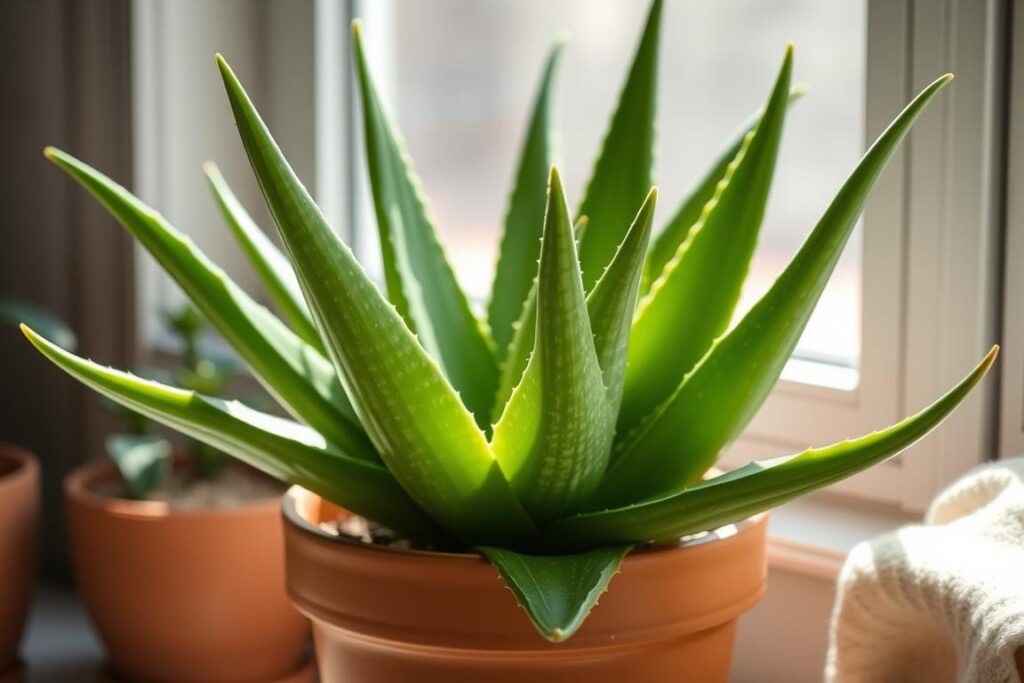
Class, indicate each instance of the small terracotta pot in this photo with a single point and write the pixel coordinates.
(19, 518)
(184, 595)
(388, 616)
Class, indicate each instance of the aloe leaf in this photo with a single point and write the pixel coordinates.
(296, 374)
(420, 282)
(524, 220)
(270, 264)
(525, 334)
(424, 433)
(612, 302)
(557, 592)
(283, 449)
(622, 172)
(681, 439)
(554, 438)
(692, 301)
(756, 487)
(142, 460)
(667, 241)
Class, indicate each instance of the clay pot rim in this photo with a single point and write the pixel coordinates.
(297, 494)
(25, 465)
(79, 483)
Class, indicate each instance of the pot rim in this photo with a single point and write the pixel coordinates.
(297, 494)
(26, 466)
(78, 486)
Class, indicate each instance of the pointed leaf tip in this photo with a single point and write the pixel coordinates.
(759, 485)
(707, 410)
(622, 172)
(990, 358)
(555, 178)
(557, 592)
(523, 223)
(718, 249)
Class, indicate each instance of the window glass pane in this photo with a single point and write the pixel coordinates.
(464, 74)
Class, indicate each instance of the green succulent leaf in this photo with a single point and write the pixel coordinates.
(525, 334)
(270, 264)
(692, 301)
(668, 240)
(756, 487)
(683, 437)
(291, 370)
(557, 592)
(142, 460)
(554, 437)
(283, 449)
(420, 282)
(622, 172)
(424, 433)
(612, 302)
(524, 220)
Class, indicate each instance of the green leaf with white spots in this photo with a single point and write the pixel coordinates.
(420, 282)
(524, 220)
(424, 433)
(554, 437)
(612, 302)
(294, 372)
(757, 487)
(682, 438)
(283, 449)
(525, 334)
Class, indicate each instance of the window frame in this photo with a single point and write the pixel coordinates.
(1011, 438)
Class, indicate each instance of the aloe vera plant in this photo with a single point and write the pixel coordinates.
(579, 419)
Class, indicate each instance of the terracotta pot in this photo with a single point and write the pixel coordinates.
(184, 595)
(19, 515)
(387, 616)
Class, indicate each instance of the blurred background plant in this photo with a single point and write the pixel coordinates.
(142, 455)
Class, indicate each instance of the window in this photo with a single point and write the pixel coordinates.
(908, 310)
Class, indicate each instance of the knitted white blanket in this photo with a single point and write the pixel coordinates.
(939, 602)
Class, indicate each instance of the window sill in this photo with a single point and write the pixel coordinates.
(813, 535)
